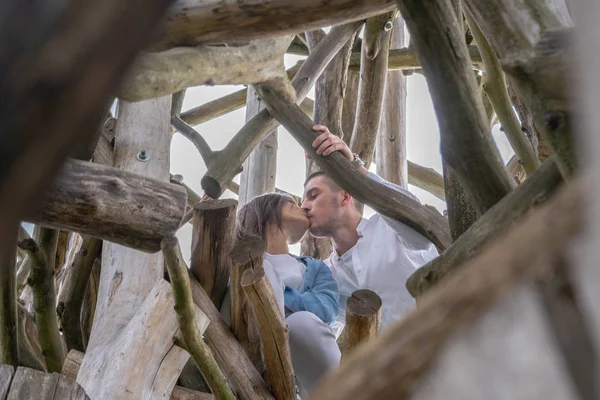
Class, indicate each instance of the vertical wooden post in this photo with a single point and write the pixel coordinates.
(363, 319)
(134, 300)
(212, 239)
(390, 148)
(260, 168)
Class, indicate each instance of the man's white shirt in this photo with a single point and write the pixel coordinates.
(386, 254)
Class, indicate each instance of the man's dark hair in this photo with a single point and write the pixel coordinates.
(333, 186)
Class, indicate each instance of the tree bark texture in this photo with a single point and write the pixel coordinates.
(116, 205)
(465, 140)
(216, 21)
(497, 221)
(329, 94)
(371, 90)
(260, 168)
(212, 240)
(390, 146)
(363, 319)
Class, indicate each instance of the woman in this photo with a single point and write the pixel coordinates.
(304, 287)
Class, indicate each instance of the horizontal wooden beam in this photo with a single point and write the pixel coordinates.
(111, 204)
(427, 179)
(232, 21)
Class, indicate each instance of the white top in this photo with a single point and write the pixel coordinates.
(386, 254)
(290, 270)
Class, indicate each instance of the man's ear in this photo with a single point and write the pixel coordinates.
(346, 198)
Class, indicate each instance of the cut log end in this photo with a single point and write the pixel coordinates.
(247, 250)
(211, 187)
(363, 303)
(250, 277)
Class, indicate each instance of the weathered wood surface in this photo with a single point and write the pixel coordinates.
(461, 211)
(73, 363)
(212, 240)
(158, 74)
(465, 141)
(110, 204)
(531, 255)
(535, 190)
(371, 89)
(260, 168)
(6, 376)
(274, 333)
(425, 220)
(329, 94)
(390, 145)
(427, 179)
(230, 159)
(363, 319)
(246, 254)
(190, 23)
(31, 384)
(241, 373)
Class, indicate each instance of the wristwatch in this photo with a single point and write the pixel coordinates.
(357, 161)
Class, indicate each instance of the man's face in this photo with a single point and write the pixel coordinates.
(322, 206)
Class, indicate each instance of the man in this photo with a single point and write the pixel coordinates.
(377, 254)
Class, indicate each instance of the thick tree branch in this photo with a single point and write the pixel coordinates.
(273, 333)
(490, 226)
(407, 59)
(196, 138)
(466, 144)
(186, 315)
(371, 90)
(495, 88)
(229, 21)
(427, 179)
(41, 280)
(158, 74)
(399, 354)
(76, 283)
(222, 170)
(425, 220)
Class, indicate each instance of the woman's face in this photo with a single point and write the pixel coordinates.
(294, 222)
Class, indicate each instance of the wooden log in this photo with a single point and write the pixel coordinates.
(349, 107)
(73, 363)
(212, 240)
(41, 280)
(274, 333)
(243, 377)
(531, 254)
(390, 143)
(495, 88)
(406, 59)
(119, 206)
(230, 159)
(260, 168)
(163, 73)
(104, 152)
(329, 95)
(217, 22)
(6, 376)
(90, 301)
(30, 349)
(427, 179)
(464, 135)
(491, 225)
(461, 211)
(371, 90)
(28, 384)
(246, 254)
(9, 340)
(77, 283)
(191, 336)
(425, 220)
(363, 319)
(135, 302)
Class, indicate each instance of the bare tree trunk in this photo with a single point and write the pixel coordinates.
(134, 300)
(390, 148)
(329, 95)
(260, 168)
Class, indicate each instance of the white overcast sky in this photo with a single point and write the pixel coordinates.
(422, 143)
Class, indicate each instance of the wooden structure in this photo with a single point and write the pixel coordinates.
(506, 299)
